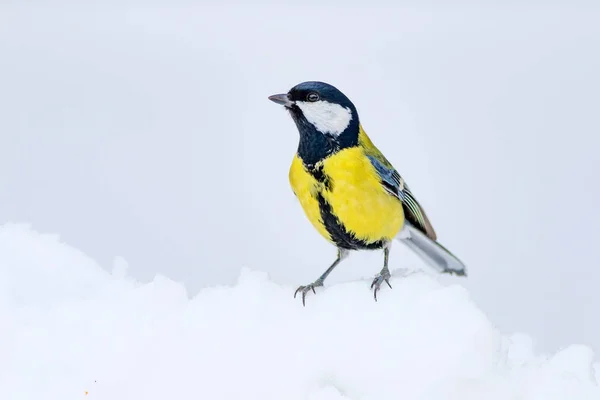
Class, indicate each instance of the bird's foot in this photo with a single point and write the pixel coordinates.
(308, 288)
(383, 276)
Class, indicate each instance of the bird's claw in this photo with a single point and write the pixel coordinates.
(383, 276)
(307, 288)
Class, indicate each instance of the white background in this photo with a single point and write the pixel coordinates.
(144, 131)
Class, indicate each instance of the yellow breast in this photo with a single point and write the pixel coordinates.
(352, 189)
(306, 188)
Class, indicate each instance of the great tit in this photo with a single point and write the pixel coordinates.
(349, 191)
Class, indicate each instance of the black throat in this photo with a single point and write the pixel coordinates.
(314, 145)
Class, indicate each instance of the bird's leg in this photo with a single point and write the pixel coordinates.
(384, 275)
(342, 253)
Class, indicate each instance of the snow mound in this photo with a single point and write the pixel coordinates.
(70, 330)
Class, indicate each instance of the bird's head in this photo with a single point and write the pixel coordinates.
(326, 119)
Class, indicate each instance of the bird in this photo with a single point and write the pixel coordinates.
(351, 194)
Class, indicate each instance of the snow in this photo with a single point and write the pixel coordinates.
(72, 330)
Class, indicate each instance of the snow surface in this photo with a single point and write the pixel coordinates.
(71, 330)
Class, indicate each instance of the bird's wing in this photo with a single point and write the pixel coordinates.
(394, 184)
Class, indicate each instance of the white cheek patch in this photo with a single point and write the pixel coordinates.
(325, 116)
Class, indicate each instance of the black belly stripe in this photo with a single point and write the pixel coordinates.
(340, 236)
(321, 177)
(338, 232)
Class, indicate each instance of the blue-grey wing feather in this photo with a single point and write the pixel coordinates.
(390, 178)
(394, 184)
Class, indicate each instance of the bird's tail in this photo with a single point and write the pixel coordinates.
(433, 253)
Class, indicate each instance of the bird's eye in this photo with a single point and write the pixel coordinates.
(312, 97)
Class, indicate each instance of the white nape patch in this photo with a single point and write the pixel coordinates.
(325, 116)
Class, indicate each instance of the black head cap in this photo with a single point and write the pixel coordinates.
(306, 91)
(318, 138)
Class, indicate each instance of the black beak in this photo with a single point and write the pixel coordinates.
(281, 99)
